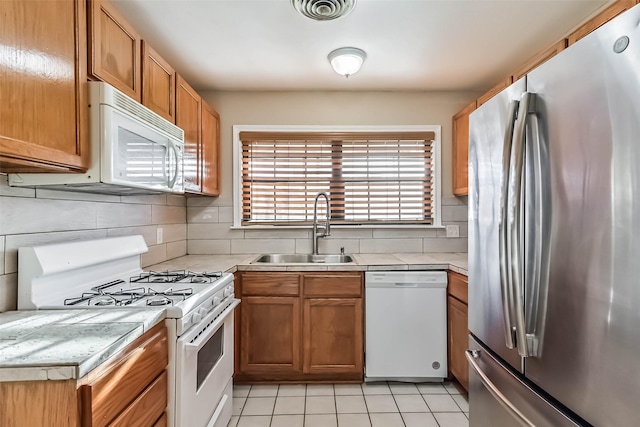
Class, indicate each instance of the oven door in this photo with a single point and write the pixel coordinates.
(204, 366)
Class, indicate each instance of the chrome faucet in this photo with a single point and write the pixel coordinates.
(315, 235)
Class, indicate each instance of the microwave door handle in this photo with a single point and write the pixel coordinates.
(172, 181)
(505, 277)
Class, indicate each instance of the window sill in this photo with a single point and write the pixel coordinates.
(336, 226)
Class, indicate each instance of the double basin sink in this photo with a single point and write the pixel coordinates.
(303, 259)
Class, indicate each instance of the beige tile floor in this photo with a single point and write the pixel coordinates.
(350, 405)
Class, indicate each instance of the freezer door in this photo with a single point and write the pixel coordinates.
(490, 129)
(498, 398)
(588, 337)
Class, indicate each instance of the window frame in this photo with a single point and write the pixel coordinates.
(237, 171)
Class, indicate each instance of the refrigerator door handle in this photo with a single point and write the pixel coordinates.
(508, 303)
(514, 236)
(471, 356)
(538, 230)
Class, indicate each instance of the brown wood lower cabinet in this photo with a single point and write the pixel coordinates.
(270, 335)
(457, 313)
(129, 390)
(299, 327)
(332, 336)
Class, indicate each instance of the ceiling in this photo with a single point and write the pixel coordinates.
(427, 45)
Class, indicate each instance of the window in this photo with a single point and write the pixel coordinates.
(372, 177)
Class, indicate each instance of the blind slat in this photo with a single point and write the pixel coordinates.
(371, 177)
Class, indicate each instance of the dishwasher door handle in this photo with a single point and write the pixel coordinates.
(405, 285)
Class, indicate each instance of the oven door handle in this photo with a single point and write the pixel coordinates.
(201, 340)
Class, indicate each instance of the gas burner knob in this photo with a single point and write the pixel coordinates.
(203, 311)
(196, 317)
(231, 289)
(216, 301)
(227, 292)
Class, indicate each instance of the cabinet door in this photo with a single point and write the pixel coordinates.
(270, 335)
(188, 117)
(158, 83)
(460, 152)
(114, 49)
(458, 340)
(209, 167)
(333, 337)
(43, 113)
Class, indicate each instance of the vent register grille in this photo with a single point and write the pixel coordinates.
(122, 101)
(324, 10)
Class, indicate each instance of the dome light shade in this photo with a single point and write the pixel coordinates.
(347, 60)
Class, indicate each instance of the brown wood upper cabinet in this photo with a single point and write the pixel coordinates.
(46, 41)
(158, 83)
(188, 117)
(210, 164)
(613, 10)
(458, 337)
(300, 327)
(460, 150)
(201, 125)
(114, 49)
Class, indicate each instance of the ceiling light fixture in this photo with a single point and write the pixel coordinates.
(324, 10)
(347, 60)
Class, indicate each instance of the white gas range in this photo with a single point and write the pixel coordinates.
(106, 273)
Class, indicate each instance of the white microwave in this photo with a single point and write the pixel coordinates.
(133, 150)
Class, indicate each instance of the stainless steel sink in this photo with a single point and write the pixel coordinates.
(303, 258)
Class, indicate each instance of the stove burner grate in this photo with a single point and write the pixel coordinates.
(159, 277)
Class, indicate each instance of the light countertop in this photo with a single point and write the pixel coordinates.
(363, 262)
(67, 344)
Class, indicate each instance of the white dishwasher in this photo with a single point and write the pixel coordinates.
(406, 326)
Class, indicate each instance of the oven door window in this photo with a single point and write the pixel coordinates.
(209, 355)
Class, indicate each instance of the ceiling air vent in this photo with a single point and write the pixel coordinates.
(324, 10)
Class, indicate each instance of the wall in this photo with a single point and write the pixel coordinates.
(30, 217)
(209, 219)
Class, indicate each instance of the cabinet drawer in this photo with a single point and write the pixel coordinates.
(162, 422)
(145, 410)
(332, 285)
(458, 286)
(284, 284)
(121, 383)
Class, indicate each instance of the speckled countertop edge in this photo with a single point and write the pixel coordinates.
(363, 262)
(67, 344)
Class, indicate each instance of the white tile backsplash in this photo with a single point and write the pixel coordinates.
(2, 254)
(202, 214)
(199, 231)
(112, 215)
(168, 214)
(176, 249)
(31, 217)
(8, 292)
(156, 255)
(377, 246)
(253, 246)
(206, 247)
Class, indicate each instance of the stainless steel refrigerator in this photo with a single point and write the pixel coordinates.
(554, 229)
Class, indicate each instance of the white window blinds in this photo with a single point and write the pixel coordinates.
(373, 177)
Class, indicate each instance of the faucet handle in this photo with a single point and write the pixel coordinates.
(341, 250)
